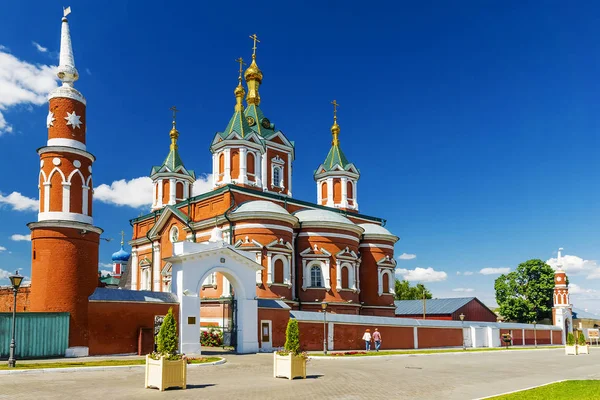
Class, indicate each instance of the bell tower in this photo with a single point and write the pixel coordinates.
(64, 239)
(562, 313)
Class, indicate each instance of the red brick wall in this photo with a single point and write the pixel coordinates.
(475, 311)
(349, 337)
(114, 326)
(556, 337)
(439, 337)
(517, 335)
(311, 336)
(279, 320)
(7, 299)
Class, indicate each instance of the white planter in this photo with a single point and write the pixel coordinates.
(571, 350)
(163, 374)
(583, 349)
(289, 366)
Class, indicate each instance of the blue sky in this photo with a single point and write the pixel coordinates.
(474, 124)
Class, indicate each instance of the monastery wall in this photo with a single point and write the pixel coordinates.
(7, 299)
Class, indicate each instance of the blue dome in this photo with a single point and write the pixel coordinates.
(121, 256)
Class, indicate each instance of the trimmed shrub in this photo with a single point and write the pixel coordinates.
(292, 337)
(570, 339)
(581, 339)
(166, 341)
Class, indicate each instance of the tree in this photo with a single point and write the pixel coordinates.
(167, 336)
(525, 295)
(292, 337)
(406, 292)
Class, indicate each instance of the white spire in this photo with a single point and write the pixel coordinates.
(67, 72)
(558, 260)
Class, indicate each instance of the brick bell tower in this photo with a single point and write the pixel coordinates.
(562, 313)
(64, 240)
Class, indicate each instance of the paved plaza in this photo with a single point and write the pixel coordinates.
(442, 376)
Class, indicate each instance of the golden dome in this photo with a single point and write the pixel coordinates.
(335, 128)
(239, 91)
(253, 72)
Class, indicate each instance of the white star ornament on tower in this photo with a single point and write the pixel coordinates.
(73, 119)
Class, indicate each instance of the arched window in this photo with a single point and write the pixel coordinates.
(145, 278)
(221, 164)
(250, 165)
(179, 191)
(278, 271)
(337, 190)
(324, 193)
(316, 276)
(235, 164)
(349, 189)
(386, 282)
(345, 275)
(277, 176)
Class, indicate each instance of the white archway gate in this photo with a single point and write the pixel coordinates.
(192, 263)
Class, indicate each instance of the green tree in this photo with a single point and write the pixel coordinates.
(292, 337)
(525, 295)
(166, 342)
(406, 292)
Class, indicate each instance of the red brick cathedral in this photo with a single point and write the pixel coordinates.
(311, 252)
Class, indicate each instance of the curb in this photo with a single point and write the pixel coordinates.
(445, 353)
(87, 369)
(522, 390)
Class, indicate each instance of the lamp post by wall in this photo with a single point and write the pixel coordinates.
(15, 281)
(535, 334)
(324, 307)
(462, 323)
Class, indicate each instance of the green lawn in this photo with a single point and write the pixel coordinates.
(103, 363)
(397, 352)
(580, 390)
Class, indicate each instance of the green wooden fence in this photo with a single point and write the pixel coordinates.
(36, 335)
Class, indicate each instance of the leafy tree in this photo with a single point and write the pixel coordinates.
(406, 292)
(292, 337)
(581, 339)
(525, 295)
(570, 339)
(167, 336)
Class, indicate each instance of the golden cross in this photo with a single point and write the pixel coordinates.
(255, 38)
(242, 63)
(122, 238)
(335, 106)
(175, 111)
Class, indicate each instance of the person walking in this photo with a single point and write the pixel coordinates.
(377, 339)
(367, 338)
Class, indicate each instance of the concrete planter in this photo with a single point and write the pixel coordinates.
(583, 349)
(163, 374)
(289, 366)
(571, 350)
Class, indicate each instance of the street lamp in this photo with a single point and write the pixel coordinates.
(535, 334)
(15, 281)
(462, 323)
(324, 307)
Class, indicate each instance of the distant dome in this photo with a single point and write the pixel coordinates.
(321, 216)
(261, 206)
(375, 229)
(121, 256)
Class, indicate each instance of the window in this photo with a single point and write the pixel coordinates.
(211, 280)
(277, 176)
(145, 284)
(278, 271)
(316, 276)
(386, 283)
(345, 276)
(174, 234)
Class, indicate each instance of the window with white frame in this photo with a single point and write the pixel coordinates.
(211, 280)
(174, 234)
(277, 173)
(316, 276)
(145, 283)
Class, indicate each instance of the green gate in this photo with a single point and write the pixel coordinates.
(42, 334)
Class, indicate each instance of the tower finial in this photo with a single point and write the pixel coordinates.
(239, 90)
(335, 128)
(255, 38)
(253, 76)
(67, 72)
(174, 134)
(122, 238)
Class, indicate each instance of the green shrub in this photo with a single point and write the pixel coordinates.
(292, 337)
(581, 339)
(166, 341)
(570, 339)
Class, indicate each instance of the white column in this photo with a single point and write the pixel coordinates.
(327, 275)
(355, 193)
(289, 179)
(264, 172)
(84, 200)
(227, 172)
(269, 268)
(305, 276)
(226, 287)
(379, 282)
(172, 187)
(134, 270)
(186, 190)
(288, 272)
(66, 201)
(154, 190)
(358, 276)
(319, 183)
(215, 169)
(160, 194)
(156, 268)
(330, 192)
(46, 197)
(416, 337)
(344, 203)
(338, 270)
(243, 178)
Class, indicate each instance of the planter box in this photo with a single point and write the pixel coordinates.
(163, 374)
(583, 349)
(571, 350)
(289, 366)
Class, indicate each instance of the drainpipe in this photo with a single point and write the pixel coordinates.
(227, 218)
(296, 264)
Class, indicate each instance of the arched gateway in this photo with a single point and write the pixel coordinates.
(191, 264)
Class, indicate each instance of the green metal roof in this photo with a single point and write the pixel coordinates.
(256, 113)
(172, 162)
(238, 124)
(335, 157)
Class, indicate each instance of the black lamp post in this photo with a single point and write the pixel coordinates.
(462, 323)
(15, 281)
(324, 307)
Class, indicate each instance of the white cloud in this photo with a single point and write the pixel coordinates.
(137, 192)
(22, 83)
(460, 289)
(576, 289)
(39, 47)
(422, 274)
(105, 272)
(20, 238)
(466, 273)
(104, 265)
(494, 271)
(574, 265)
(16, 200)
(2, 248)
(4, 274)
(406, 256)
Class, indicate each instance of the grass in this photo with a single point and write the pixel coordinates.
(580, 390)
(400, 352)
(102, 363)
